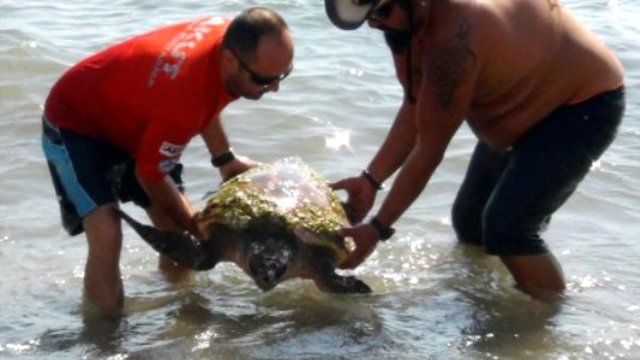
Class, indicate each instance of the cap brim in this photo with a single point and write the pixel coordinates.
(345, 14)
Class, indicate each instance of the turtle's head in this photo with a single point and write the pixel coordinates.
(268, 260)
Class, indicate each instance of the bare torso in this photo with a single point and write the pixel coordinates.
(531, 56)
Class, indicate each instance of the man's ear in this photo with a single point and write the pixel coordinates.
(225, 54)
(228, 61)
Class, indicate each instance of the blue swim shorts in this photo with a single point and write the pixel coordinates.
(88, 173)
(507, 198)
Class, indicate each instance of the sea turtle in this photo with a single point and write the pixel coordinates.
(276, 221)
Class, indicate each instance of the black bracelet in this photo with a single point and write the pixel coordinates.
(375, 183)
(384, 232)
(223, 159)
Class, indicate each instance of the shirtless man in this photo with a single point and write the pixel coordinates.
(542, 94)
(116, 124)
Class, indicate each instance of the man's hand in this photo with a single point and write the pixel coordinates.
(195, 230)
(361, 196)
(365, 238)
(239, 165)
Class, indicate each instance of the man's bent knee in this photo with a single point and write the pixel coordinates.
(466, 225)
(505, 233)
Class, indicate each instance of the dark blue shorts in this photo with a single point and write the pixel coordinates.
(507, 198)
(88, 173)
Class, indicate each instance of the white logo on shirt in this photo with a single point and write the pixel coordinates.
(171, 150)
(175, 52)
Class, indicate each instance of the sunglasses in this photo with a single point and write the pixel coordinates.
(383, 11)
(258, 79)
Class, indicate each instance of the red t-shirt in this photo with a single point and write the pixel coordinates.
(148, 95)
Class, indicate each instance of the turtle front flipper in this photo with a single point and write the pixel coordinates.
(343, 284)
(327, 280)
(181, 247)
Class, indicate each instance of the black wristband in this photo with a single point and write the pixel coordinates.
(384, 232)
(223, 159)
(375, 183)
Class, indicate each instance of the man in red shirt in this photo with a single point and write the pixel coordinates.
(116, 123)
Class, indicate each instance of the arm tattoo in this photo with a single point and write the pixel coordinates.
(447, 66)
(553, 4)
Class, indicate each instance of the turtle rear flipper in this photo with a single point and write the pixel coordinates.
(181, 247)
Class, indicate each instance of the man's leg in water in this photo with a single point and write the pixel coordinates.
(545, 168)
(485, 170)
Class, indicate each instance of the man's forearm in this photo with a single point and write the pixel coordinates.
(215, 138)
(410, 182)
(168, 200)
(396, 146)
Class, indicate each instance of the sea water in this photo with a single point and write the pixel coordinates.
(433, 299)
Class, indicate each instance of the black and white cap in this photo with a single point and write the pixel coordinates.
(349, 14)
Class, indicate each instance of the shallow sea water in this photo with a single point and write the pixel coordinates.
(433, 299)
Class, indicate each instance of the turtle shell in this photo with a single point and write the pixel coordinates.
(285, 189)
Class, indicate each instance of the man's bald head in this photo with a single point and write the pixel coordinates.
(246, 30)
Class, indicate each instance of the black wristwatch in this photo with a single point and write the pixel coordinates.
(223, 159)
(384, 232)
